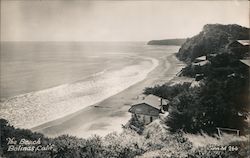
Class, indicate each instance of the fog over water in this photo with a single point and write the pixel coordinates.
(83, 20)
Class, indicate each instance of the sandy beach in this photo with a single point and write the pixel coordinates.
(109, 115)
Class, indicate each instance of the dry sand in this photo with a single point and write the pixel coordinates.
(109, 115)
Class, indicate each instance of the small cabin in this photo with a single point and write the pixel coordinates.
(240, 48)
(144, 113)
(239, 43)
(148, 109)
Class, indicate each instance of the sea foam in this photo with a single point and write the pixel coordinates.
(35, 108)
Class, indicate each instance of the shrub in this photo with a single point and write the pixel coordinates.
(167, 91)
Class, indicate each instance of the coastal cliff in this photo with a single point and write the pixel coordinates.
(210, 40)
(221, 80)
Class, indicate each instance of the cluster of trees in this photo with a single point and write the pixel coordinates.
(211, 39)
(216, 104)
(167, 90)
(222, 99)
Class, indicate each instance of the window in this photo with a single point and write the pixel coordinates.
(151, 119)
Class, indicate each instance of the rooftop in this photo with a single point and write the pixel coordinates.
(244, 42)
(201, 63)
(155, 101)
(201, 58)
(247, 62)
(144, 109)
(152, 100)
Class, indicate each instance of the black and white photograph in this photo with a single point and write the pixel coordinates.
(124, 79)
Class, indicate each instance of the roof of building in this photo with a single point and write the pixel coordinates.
(244, 42)
(201, 58)
(201, 63)
(144, 109)
(247, 62)
(153, 101)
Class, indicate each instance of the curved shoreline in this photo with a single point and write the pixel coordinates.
(108, 115)
(58, 102)
(155, 63)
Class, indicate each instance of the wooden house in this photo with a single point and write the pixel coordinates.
(240, 48)
(239, 43)
(148, 109)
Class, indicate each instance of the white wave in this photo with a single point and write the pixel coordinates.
(32, 109)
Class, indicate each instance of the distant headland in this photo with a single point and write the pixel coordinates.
(177, 41)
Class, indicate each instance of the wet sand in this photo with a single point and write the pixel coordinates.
(109, 115)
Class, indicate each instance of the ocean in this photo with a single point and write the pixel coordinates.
(43, 81)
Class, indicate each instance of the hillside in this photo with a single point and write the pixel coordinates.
(154, 142)
(177, 42)
(219, 99)
(221, 86)
(210, 40)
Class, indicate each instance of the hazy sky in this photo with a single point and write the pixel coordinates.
(82, 20)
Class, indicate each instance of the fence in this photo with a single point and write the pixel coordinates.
(227, 130)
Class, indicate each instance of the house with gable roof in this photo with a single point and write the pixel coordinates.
(149, 108)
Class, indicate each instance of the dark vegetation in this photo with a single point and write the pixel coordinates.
(211, 39)
(8, 131)
(167, 90)
(127, 144)
(67, 146)
(153, 142)
(222, 99)
(177, 42)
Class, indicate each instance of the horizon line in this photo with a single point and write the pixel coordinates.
(89, 41)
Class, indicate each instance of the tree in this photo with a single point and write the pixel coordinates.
(222, 101)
